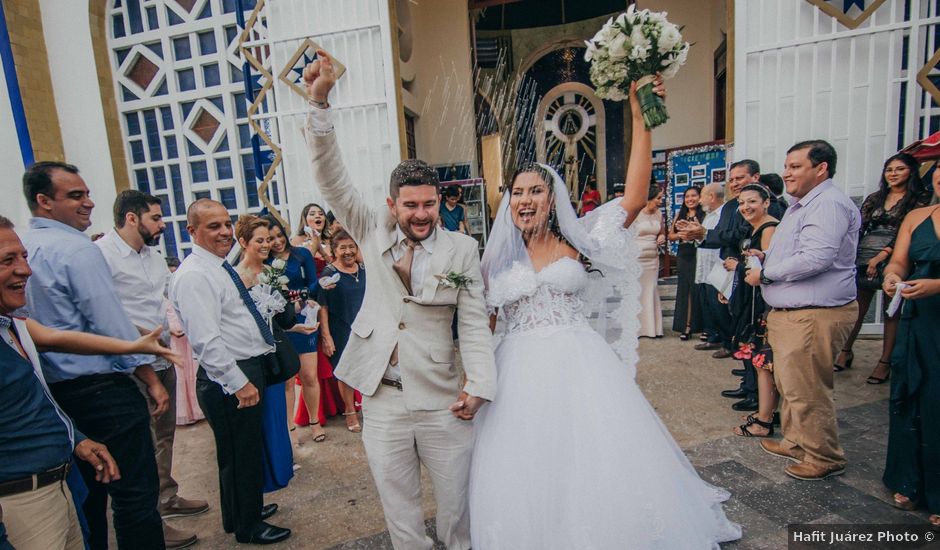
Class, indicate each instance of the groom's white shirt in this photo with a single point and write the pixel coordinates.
(419, 325)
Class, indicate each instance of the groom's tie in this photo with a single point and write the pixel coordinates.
(403, 265)
(403, 268)
(249, 303)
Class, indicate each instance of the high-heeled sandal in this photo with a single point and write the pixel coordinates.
(355, 428)
(685, 335)
(848, 361)
(318, 438)
(874, 380)
(752, 420)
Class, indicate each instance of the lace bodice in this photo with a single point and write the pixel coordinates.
(552, 297)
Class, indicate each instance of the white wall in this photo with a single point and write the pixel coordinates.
(14, 205)
(78, 102)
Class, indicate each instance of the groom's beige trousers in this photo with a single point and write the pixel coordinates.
(397, 442)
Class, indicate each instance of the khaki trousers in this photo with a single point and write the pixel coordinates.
(397, 443)
(43, 519)
(163, 429)
(805, 343)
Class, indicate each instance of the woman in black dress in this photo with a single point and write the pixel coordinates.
(687, 318)
(901, 191)
(339, 305)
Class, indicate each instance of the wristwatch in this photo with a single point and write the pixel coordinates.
(764, 280)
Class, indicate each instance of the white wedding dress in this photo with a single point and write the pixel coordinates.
(570, 455)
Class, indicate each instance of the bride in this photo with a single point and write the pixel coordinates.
(542, 477)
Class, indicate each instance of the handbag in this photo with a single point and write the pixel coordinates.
(284, 363)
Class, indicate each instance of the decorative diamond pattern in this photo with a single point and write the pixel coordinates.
(187, 4)
(143, 71)
(840, 10)
(205, 126)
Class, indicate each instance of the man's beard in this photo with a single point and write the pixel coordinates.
(149, 238)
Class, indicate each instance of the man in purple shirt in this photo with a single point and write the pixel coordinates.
(808, 278)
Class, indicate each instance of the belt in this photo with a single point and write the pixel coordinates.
(393, 383)
(808, 307)
(34, 482)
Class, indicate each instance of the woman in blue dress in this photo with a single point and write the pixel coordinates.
(340, 304)
(254, 238)
(301, 273)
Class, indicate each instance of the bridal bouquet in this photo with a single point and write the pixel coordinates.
(273, 275)
(635, 47)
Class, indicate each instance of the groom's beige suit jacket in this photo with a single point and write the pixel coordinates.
(421, 324)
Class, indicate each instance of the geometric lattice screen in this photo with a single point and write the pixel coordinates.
(181, 97)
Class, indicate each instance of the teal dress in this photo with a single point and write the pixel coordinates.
(913, 464)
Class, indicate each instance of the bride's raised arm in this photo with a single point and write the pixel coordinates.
(640, 166)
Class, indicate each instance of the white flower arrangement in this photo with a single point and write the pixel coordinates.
(635, 46)
(273, 275)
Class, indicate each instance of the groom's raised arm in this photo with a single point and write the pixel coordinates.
(329, 172)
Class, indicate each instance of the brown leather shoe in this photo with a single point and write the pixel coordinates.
(707, 346)
(176, 539)
(808, 471)
(721, 354)
(180, 507)
(773, 447)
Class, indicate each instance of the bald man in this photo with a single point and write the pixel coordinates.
(232, 344)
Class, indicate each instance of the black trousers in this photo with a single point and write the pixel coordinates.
(238, 447)
(719, 317)
(109, 408)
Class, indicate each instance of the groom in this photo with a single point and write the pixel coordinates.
(416, 405)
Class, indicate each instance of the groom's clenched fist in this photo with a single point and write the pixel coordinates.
(466, 406)
(319, 77)
(248, 396)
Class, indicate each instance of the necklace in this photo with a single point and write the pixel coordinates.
(353, 275)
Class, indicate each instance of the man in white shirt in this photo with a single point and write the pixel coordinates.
(232, 344)
(140, 279)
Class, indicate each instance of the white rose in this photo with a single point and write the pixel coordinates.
(669, 38)
(591, 50)
(283, 280)
(672, 67)
(278, 263)
(618, 47)
(640, 44)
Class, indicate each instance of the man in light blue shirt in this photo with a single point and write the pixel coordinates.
(808, 277)
(71, 289)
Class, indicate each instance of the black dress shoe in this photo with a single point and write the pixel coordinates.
(749, 404)
(268, 510)
(264, 533)
(707, 346)
(738, 372)
(735, 394)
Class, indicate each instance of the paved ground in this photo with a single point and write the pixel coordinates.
(332, 503)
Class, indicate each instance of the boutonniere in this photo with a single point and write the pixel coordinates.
(454, 280)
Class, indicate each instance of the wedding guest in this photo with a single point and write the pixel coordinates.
(590, 198)
(727, 236)
(302, 273)
(618, 191)
(650, 235)
(452, 214)
(899, 191)
(140, 276)
(808, 278)
(774, 183)
(714, 313)
(339, 306)
(748, 306)
(332, 224)
(687, 317)
(38, 438)
(254, 238)
(935, 183)
(72, 289)
(313, 233)
(231, 342)
(913, 465)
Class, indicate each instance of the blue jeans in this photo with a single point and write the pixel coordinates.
(109, 408)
